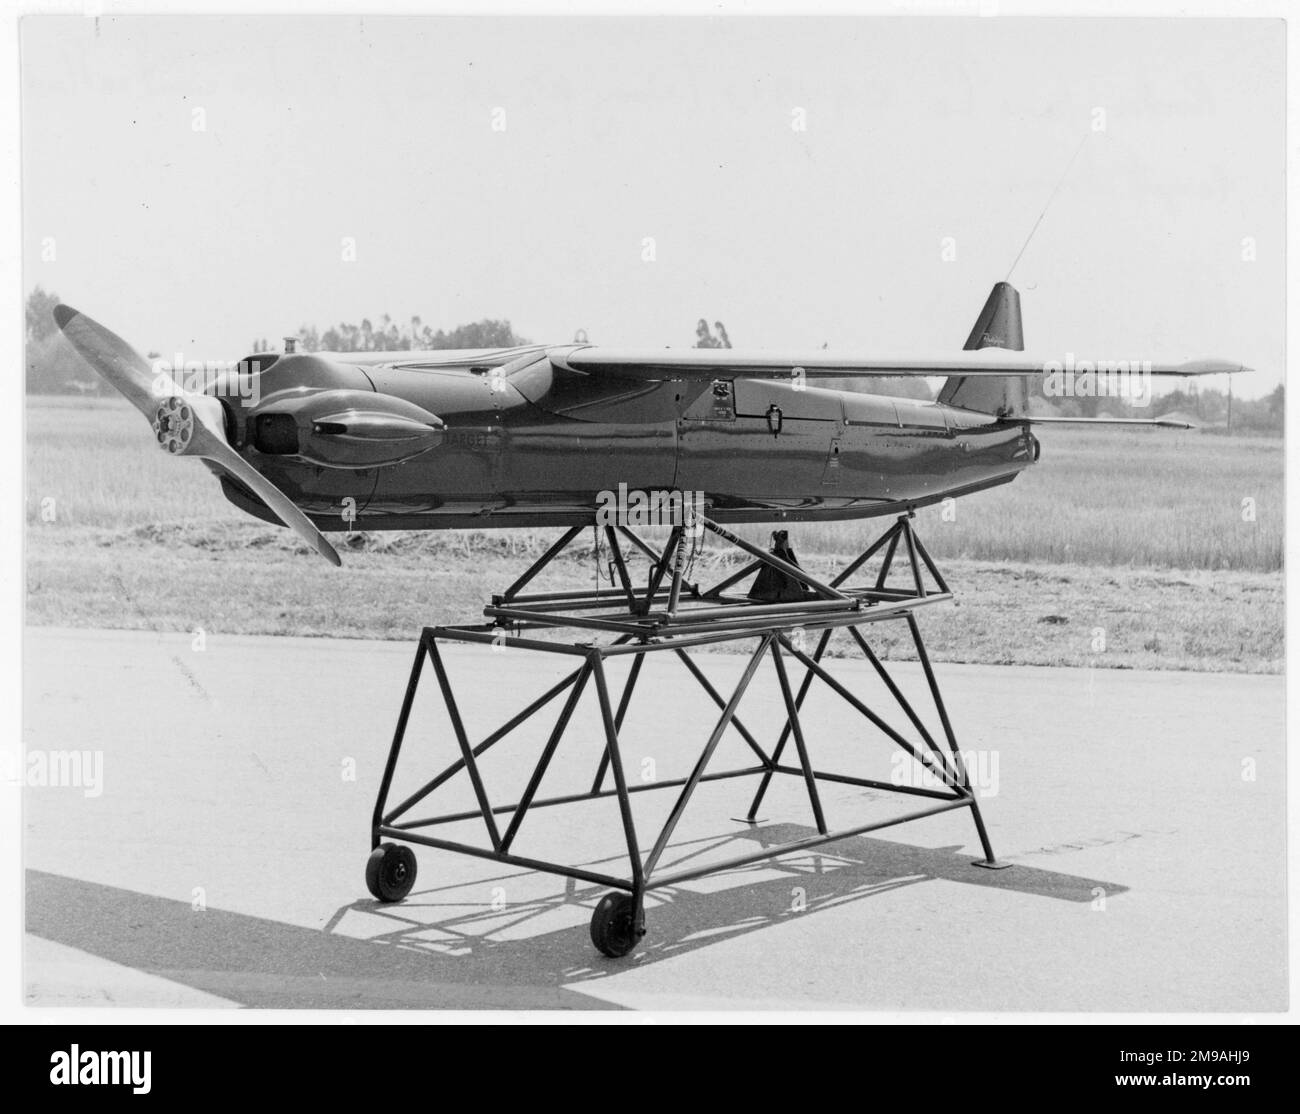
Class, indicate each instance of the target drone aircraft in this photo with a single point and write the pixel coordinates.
(579, 436)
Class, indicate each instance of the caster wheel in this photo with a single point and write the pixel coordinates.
(613, 929)
(390, 871)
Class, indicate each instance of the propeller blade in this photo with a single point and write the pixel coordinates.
(185, 423)
(208, 440)
(114, 359)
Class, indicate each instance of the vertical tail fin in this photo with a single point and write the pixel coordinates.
(998, 326)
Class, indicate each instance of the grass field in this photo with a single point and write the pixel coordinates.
(1141, 533)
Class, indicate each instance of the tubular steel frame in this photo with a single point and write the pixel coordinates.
(673, 620)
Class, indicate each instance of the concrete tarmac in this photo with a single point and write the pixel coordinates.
(208, 847)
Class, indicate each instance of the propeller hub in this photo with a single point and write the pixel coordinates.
(173, 424)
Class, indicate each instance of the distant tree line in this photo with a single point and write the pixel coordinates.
(387, 336)
(52, 367)
(705, 339)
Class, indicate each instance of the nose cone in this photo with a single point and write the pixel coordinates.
(63, 314)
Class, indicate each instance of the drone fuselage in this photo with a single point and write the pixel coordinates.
(532, 443)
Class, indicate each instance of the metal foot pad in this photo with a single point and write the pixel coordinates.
(752, 823)
(991, 864)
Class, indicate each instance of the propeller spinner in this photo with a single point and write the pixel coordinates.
(184, 423)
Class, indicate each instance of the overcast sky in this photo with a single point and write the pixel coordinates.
(382, 130)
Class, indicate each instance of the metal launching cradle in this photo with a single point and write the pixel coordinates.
(675, 619)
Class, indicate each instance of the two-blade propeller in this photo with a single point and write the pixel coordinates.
(184, 423)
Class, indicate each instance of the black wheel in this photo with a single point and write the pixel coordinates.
(613, 925)
(390, 871)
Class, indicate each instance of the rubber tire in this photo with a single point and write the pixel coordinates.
(613, 929)
(390, 872)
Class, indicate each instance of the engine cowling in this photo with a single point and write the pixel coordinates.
(344, 428)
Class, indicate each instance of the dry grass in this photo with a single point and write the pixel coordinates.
(1117, 497)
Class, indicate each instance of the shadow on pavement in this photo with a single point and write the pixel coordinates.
(436, 955)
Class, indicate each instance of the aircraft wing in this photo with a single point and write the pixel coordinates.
(436, 357)
(717, 363)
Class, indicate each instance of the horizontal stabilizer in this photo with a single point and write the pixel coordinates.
(1168, 423)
